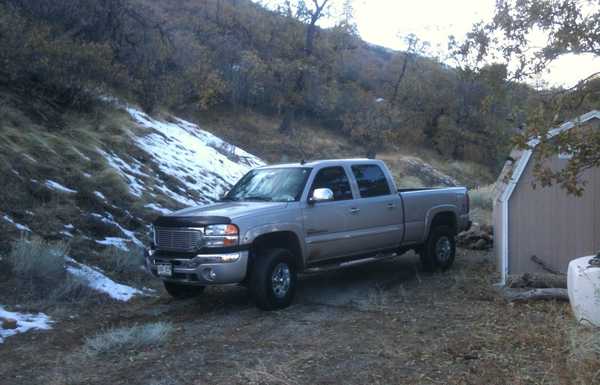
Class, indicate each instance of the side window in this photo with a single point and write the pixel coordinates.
(371, 181)
(333, 178)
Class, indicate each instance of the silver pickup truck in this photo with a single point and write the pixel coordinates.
(283, 220)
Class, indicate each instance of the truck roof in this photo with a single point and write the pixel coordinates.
(324, 162)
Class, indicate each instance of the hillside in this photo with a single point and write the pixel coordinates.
(100, 182)
(209, 57)
(94, 170)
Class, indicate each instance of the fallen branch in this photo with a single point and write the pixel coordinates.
(535, 295)
(537, 281)
(544, 266)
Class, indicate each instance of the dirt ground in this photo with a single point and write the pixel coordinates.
(385, 323)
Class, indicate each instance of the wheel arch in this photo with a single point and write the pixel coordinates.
(284, 239)
(442, 216)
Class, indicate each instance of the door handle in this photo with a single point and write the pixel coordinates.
(354, 210)
(391, 206)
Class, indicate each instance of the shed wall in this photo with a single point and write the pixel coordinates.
(550, 224)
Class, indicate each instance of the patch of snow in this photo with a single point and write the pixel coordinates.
(87, 175)
(99, 195)
(66, 233)
(15, 172)
(201, 161)
(19, 226)
(69, 226)
(58, 187)
(131, 173)
(98, 281)
(120, 243)
(25, 322)
(109, 219)
(157, 208)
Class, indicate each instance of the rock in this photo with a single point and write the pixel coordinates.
(428, 174)
(481, 244)
(478, 237)
(8, 323)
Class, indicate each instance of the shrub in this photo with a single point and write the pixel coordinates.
(37, 261)
(40, 273)
(134, 337)
(124, 262)
(74, 289)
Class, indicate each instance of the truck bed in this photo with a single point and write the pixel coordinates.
(418, 203)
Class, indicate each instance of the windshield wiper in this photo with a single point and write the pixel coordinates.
(258, 198)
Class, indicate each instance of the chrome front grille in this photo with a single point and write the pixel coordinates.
(178, 239)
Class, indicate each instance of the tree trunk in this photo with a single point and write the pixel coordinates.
(512, 295)
(538, 281)
(288, 118)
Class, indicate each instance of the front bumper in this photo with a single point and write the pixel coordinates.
(202, 269)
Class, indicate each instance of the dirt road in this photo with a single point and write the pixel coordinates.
(386, 323)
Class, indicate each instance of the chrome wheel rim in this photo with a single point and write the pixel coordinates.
(281, 280)
(443, 249)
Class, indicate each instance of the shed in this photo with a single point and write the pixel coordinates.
(545, 222)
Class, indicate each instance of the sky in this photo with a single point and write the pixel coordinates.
(384, 22)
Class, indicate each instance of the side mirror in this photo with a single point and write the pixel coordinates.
(321, 195)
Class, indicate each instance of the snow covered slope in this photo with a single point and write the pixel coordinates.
(184, 163)
(107, 190)
(198, 159)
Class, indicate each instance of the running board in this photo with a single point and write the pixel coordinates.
(350, 263)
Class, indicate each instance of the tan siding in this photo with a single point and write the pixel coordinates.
(550, 224)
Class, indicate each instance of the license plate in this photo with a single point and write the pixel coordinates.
(164, 269)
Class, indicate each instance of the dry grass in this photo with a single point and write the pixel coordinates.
(259, 135)
(482, 204)
(584, 358)
(134, 337)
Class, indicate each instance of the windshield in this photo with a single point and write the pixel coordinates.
(270, 185)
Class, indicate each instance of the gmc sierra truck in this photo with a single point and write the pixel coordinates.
(282, 220)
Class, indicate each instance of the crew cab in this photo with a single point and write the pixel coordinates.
(280, 221)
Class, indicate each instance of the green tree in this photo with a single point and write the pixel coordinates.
(568, 27)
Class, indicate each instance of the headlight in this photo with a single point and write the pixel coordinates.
(221, 235)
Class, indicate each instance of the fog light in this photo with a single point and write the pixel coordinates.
(209, 274)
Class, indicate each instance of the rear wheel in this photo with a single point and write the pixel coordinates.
(180, 291)
(273, 279)
(439, 250)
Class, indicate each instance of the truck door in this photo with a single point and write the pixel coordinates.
(325, 223)
(377, 220)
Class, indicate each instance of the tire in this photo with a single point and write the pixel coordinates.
(180, 291)
(273, 279)
(439, 249)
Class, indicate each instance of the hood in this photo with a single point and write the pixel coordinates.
(216, 213)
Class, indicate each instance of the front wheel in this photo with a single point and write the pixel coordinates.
(273, 279)
(440, 249)
(180, 291)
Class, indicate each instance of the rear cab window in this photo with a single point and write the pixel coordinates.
(335, 179)
(371, 180)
